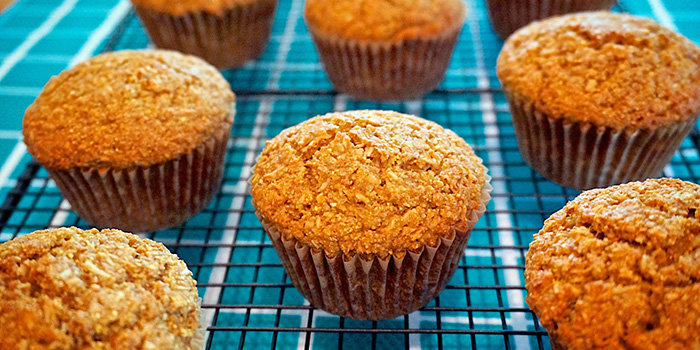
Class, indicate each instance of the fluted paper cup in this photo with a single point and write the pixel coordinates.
(507, 16)
(554, 342)
(584, 156)
(142, 199)
(373, 288)
(401, 70)
(226, 40)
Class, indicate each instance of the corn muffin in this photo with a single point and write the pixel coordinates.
(385, 50)
(226, 33)
(619, 268)
(72, 289)
(599, 99)
(369, 211)
(507, 16)
(134, 140)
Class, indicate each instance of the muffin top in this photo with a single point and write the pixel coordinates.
(367, 182)
(619, 268)
(180, 7)
(384, 20)
(603, 68)
(72, 289)
(127, 108)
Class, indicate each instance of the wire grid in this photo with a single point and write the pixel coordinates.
(248, 301)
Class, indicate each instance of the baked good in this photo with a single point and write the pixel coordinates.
(619, 268)
(599, 98)
(134, 140)
(72, 289)
(507, 16)
(369, 211)
(226, 33)
(385, 50)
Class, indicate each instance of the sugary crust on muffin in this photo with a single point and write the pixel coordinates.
(368, 182)
(181, 7)
(619, 268)
(72, 289)
(385, 20)
(608, 69)
(127, 108)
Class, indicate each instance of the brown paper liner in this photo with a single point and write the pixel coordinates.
(379, 288)
(143, 199)
(507, 16)
(401, 70)
(554, 341)
(227, 40)
(584, 156)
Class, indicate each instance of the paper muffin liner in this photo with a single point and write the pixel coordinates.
(584, 156)
(401, 70)
(507, 16)
(143, 199)
(226, 40)
(554, 341)
(373, 288)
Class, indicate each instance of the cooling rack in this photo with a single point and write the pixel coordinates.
(248, 301)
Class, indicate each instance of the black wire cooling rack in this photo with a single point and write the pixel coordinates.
(248, 301)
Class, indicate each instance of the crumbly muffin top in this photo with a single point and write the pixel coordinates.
(180, 7)
(367, 182)
(619, 268)
(385, 20)
(72, 289)
(608, 69)
(127, 108)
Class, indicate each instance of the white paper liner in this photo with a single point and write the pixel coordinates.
(144, 199)
(507, 16)
(227, 40)
(378, 288)
(377, 71)
(583, 156)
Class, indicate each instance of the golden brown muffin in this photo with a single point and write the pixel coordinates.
(619, 268)
(385, 50)
(72, 289)
(368, 182)
(379, 185)
(606, 89)
(384, 20)
(226, 33)
(612, 70)
(181, 7)
(134, 139)
(126, 109)
(507, 16)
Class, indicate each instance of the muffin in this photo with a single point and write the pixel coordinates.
(72, 289)
(134, 140)
(599, 99)
(226, 33)
(619, 268)
(385, 50)
(507, 16)
(369, 211)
